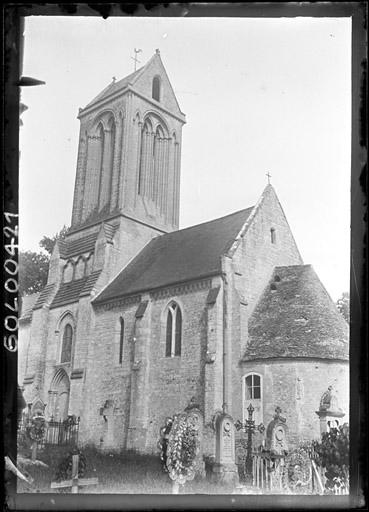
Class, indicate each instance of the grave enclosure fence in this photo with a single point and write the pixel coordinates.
(60, 433)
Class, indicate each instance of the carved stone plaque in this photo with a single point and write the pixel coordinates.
(225, 440)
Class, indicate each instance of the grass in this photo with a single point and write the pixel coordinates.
(119, 473)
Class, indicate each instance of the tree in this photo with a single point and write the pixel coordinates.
(33, 270)
(47, 243)
(333, 455)
(343, 306)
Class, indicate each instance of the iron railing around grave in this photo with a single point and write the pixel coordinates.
(62, 432)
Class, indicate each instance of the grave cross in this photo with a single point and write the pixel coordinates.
(75, 482)
(249, 428)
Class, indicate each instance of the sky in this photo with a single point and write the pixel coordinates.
(260, 95)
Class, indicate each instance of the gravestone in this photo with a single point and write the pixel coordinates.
(276, 444)
(225, 469)
(276, 434)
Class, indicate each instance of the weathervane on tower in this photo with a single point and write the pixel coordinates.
(136, 50)
(268, 176)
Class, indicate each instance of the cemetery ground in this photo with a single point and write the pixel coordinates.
(118, 473)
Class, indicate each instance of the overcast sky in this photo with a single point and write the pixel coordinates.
(259, 95)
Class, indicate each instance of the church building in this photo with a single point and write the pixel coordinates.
(139, 318)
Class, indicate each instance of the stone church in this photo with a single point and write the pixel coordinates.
(139, 318)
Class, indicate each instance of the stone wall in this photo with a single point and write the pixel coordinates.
(253, 262)
(296, 386)
(148, 386)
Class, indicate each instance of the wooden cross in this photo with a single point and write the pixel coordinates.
(74, 482)
(136, 50)
(269, 176)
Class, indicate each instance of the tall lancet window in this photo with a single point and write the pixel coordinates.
(146, 157)
(66, 351)
(173, 331)
(158, 164)
(101, 144)
(153, 167)
(107, 162)
(156, 88)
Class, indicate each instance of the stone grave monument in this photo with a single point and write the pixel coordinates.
(329, 412)
(224, 468)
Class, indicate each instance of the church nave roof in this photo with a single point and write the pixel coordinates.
(179, 256)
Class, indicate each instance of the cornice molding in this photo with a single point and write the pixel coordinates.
(118, 302)
(181, 289)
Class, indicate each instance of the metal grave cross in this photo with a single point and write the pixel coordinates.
(249, 428)
(75, 482)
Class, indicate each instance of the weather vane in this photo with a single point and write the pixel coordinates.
(269, 176)
(136, 50)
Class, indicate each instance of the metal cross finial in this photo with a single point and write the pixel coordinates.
(269, 176)
(136, 50)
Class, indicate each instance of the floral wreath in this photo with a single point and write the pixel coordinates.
(37, 428)
(70, 421)
(182, 448)
(64, 469)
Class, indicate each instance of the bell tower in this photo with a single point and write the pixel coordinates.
(129, 152)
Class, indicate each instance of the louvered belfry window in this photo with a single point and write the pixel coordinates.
(66, 353)
(173, 331)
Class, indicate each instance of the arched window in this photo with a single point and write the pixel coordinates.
(252, 394)
(146, 157)
(66, 352)
(89, 262)
(173, 331)
(154, 154)
(273, 236)
(121, 340)
(68, 272)
(79, 270)
(156, 88)
(58, 401)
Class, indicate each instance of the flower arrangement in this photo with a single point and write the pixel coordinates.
(64, 470)
(37, 428)
(182, 449)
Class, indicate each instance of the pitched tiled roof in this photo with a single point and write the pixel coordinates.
(69, 248)
(296, 317)
(28, 301)
(115, 86)
(90, 282)
(71, 291)
(45, 296)
(179, 256)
